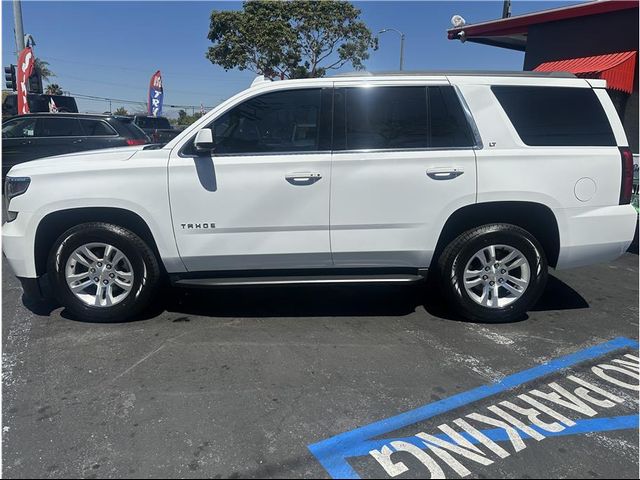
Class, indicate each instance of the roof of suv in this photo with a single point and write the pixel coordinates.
(457, 73)
(69, 114)
(480, 74)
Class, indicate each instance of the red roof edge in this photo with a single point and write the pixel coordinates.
(520, 23)
(618, 69)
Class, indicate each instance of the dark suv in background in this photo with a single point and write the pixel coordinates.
(158, 129)
(37, 135)
(39, 103)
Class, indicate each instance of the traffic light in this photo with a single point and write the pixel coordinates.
(10, 77)
(35, 83)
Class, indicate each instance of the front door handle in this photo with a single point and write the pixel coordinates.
(302, 178)
(444, 173)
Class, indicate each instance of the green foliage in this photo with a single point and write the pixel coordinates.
(53, 89)
(184, 119)
(290, 39)
(42, 67)
(121, 111)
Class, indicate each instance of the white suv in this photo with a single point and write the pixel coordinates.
(483, 180)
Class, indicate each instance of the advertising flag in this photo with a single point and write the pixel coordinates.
(25, 69)
(155, 95)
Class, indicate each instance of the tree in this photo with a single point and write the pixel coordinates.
(290, 39)
(42, 67)
(53, 89)
(121, 111)
(186, 119)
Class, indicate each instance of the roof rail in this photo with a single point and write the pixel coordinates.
(477, 73)
(259, 80)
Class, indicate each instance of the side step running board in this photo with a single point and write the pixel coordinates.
(297, 280)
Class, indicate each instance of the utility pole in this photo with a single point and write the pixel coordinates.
(506, 9)
(19, 30)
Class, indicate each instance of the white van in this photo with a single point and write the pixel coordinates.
(480, 180)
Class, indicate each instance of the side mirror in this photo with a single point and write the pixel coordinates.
(204, 141)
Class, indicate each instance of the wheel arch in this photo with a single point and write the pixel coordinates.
(536, 218)
(56, 223)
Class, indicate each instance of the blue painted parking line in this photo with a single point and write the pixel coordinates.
(333, 453)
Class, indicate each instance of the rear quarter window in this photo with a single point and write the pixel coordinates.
(96, 128)
(556, 116)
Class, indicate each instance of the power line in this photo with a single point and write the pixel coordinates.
(132, 102)
(142, 70)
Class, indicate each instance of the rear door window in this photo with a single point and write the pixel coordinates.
(96, 128)
(385, 118)
(58, 127)
(403, 117)
(448, 125)
(556, 116)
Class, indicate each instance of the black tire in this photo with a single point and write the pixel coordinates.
(454, 258)
(146, 271)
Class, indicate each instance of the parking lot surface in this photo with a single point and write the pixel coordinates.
(306, 381)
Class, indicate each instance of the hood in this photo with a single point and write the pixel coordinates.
(86, 160)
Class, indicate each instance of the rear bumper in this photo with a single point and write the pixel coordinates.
(594, 235)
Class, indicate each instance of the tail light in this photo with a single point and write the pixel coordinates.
(136, 141)
(626, 186)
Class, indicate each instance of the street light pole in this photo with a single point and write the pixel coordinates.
(17, 21)
(401, 43)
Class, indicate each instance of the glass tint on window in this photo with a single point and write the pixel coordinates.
(95, 128)
(287, 121)
(386, 117)
(556, 116)
(58, 127)
(19, 128)
(399, 118)
(448, 126)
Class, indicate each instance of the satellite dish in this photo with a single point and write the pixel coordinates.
(457, 21)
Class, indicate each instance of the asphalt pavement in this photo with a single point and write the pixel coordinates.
(326, 380)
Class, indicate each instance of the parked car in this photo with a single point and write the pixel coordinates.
(39, 103)
(158, 129)
(482, 181)
(37, 135)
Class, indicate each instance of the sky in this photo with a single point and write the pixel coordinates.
(111, 49)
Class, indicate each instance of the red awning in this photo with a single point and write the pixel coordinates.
(617, 69)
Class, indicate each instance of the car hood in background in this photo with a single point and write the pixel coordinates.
(77, 161)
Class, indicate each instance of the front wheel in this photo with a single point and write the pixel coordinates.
(103, 272)
(493, 273)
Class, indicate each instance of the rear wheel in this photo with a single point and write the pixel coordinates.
(493, 273)
(103, 272)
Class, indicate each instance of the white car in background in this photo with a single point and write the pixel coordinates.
(482, 181)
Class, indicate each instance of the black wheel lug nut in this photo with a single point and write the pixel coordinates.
(503, 271)
(484, 277)
(492, 283)
(106, 282)
(111, 275)
(95, 279)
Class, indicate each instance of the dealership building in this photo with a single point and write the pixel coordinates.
(597, 39)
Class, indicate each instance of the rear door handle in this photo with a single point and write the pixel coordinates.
(444, 173)
(302, 178)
